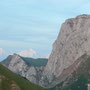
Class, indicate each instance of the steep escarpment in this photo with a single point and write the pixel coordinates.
(72, 42)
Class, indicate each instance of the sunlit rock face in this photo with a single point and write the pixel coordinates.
(72, 42)
(16, 64)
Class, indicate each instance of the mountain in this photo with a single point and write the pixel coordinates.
(12, 81)
(72, 42)
(68, 67)
(29, 68)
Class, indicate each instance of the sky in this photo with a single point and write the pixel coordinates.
(30, 27)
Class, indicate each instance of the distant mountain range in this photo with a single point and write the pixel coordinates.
(35, 62)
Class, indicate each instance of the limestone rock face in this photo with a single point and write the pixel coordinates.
(72, 42)
(16, 64)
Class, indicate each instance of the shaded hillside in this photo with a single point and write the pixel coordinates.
(35, 62)
(79, 84)
(8, 80)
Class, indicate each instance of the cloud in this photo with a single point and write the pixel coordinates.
(28, 53)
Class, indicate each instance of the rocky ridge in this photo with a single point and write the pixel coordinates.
(16, 64)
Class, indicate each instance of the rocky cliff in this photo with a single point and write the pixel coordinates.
(72, 42)
(19, 65)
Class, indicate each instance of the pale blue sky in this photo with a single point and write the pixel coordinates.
(35, 24)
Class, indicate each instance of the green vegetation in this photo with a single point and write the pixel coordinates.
(80, 84)
(35, 62)
(21, 82)
(57, 87)
(5, 85)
